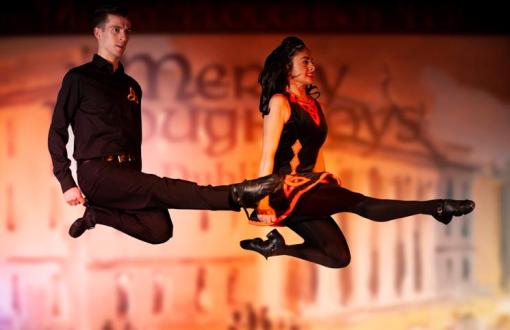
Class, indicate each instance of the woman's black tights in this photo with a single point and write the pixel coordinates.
(329, 199)
(324, 242)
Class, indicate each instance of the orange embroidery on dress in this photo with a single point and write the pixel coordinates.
(132, 95)
(291, 182)
(295, 199)
(309, 106)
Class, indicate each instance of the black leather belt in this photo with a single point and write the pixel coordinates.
(120, 158)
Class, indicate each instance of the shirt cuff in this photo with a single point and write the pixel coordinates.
(67, 183)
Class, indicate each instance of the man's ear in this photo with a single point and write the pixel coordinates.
(97, 32)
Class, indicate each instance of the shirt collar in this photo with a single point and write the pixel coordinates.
(105, 65)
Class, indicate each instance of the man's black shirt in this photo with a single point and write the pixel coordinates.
(103, 109)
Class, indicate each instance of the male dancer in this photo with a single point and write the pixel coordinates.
(103, 106)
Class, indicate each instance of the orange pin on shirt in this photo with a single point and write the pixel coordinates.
(132, 95)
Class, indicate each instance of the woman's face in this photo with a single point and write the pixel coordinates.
(303, 69)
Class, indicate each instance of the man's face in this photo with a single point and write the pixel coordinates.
(113, 37)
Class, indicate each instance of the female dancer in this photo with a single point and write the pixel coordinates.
(309, 194)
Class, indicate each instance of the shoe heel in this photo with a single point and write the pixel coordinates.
(273, 233)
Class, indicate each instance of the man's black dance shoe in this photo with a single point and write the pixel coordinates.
(448, 208)
(249, 192)
(79, 226)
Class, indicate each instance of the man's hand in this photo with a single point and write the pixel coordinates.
(73, 196)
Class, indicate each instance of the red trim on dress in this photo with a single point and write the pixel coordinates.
(309, 106)
(292, 181)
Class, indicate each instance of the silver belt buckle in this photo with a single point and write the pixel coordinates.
(122, 158)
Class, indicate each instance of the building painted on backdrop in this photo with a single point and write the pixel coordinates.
(414, 117)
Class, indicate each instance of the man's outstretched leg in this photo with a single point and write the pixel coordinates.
(123, 188)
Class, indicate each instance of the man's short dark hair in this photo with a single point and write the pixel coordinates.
(101, 14)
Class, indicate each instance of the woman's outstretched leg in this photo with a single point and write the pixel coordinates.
(324, 242)
(442, 210)
(331, 199)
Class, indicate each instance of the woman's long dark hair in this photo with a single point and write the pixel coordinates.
(274, 76)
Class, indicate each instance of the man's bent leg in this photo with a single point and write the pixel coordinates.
(150, 225)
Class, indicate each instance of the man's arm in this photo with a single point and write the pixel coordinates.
(138, 152)
(65, 108)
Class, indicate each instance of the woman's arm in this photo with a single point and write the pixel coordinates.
(279, 113)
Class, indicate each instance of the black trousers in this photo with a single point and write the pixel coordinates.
(137, 203)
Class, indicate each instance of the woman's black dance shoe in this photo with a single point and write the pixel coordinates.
(267, 248)
(249, 192)
(448, 208)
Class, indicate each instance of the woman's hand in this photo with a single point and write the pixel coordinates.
(265, 213)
